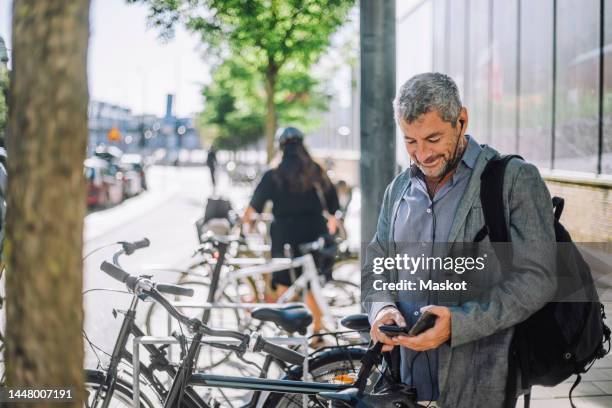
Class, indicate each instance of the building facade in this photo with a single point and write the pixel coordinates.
(536, 77)
(139, 133)
(103, 117)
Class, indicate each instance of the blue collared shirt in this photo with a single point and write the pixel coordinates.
(421, 221)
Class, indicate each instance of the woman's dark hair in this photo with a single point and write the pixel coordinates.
(297, 172)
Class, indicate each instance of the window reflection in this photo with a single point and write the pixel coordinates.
(477, 89)
(439, 32)
(500, 54)
(606, 159)
(577, 108)
(456, 60)
(535, 101)
(504, 75)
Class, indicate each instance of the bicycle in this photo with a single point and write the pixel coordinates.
(113, 384)
(221, 246)
(184, 380)
(240, 283)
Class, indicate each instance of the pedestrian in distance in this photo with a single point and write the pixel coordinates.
(211, 162)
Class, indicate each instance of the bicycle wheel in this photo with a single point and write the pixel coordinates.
(324, 367)
(342, 294)
(122, 395)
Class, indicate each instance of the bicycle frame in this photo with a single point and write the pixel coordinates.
(120, 352)
(309, 277)
(184, 378)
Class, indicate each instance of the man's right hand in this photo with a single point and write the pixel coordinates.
(388, 315)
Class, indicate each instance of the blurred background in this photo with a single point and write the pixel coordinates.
(535, 75)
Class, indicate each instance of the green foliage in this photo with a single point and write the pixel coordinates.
(277, 30)
(272, 42)
(234, 109)
(298, 96)
(232, 116)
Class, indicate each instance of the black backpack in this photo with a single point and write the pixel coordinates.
(562, 338)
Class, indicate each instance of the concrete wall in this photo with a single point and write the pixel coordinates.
(588, 209)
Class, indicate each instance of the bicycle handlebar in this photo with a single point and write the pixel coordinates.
(174, 289)
(154, 291)
(114, 272)
(132, 281)
(130, 247)
(279, 352)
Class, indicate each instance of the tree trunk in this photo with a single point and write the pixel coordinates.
(47, 138)
(270, 112)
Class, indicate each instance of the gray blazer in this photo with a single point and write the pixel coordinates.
(473, 367)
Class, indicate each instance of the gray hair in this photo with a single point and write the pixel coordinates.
(427, 92)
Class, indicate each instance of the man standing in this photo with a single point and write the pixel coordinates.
(462, 361)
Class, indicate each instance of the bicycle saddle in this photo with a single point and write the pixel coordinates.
(291, 318)
(400, 396)
(358, 322)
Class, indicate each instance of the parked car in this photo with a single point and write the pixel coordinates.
(132, 170)
(104, 183)
(111, 154)
(136, 164)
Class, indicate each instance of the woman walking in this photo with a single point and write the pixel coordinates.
(303, 198)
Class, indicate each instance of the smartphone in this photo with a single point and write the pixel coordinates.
(425, 322)
(393, 330)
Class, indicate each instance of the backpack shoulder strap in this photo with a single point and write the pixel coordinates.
(492, 199)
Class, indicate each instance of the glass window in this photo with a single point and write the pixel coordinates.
(606, 158)
(457, 33)
(477, 89)
(503, 75)
(439, 35)
(414, 43)
(577, 101)
(535, 100)
(414, 55)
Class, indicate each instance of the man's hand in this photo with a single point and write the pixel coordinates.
(388, 315)
(432, 338)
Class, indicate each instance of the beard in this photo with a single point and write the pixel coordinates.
(446, 163)
(434, 172)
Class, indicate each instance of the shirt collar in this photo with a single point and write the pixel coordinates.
(471, 152)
